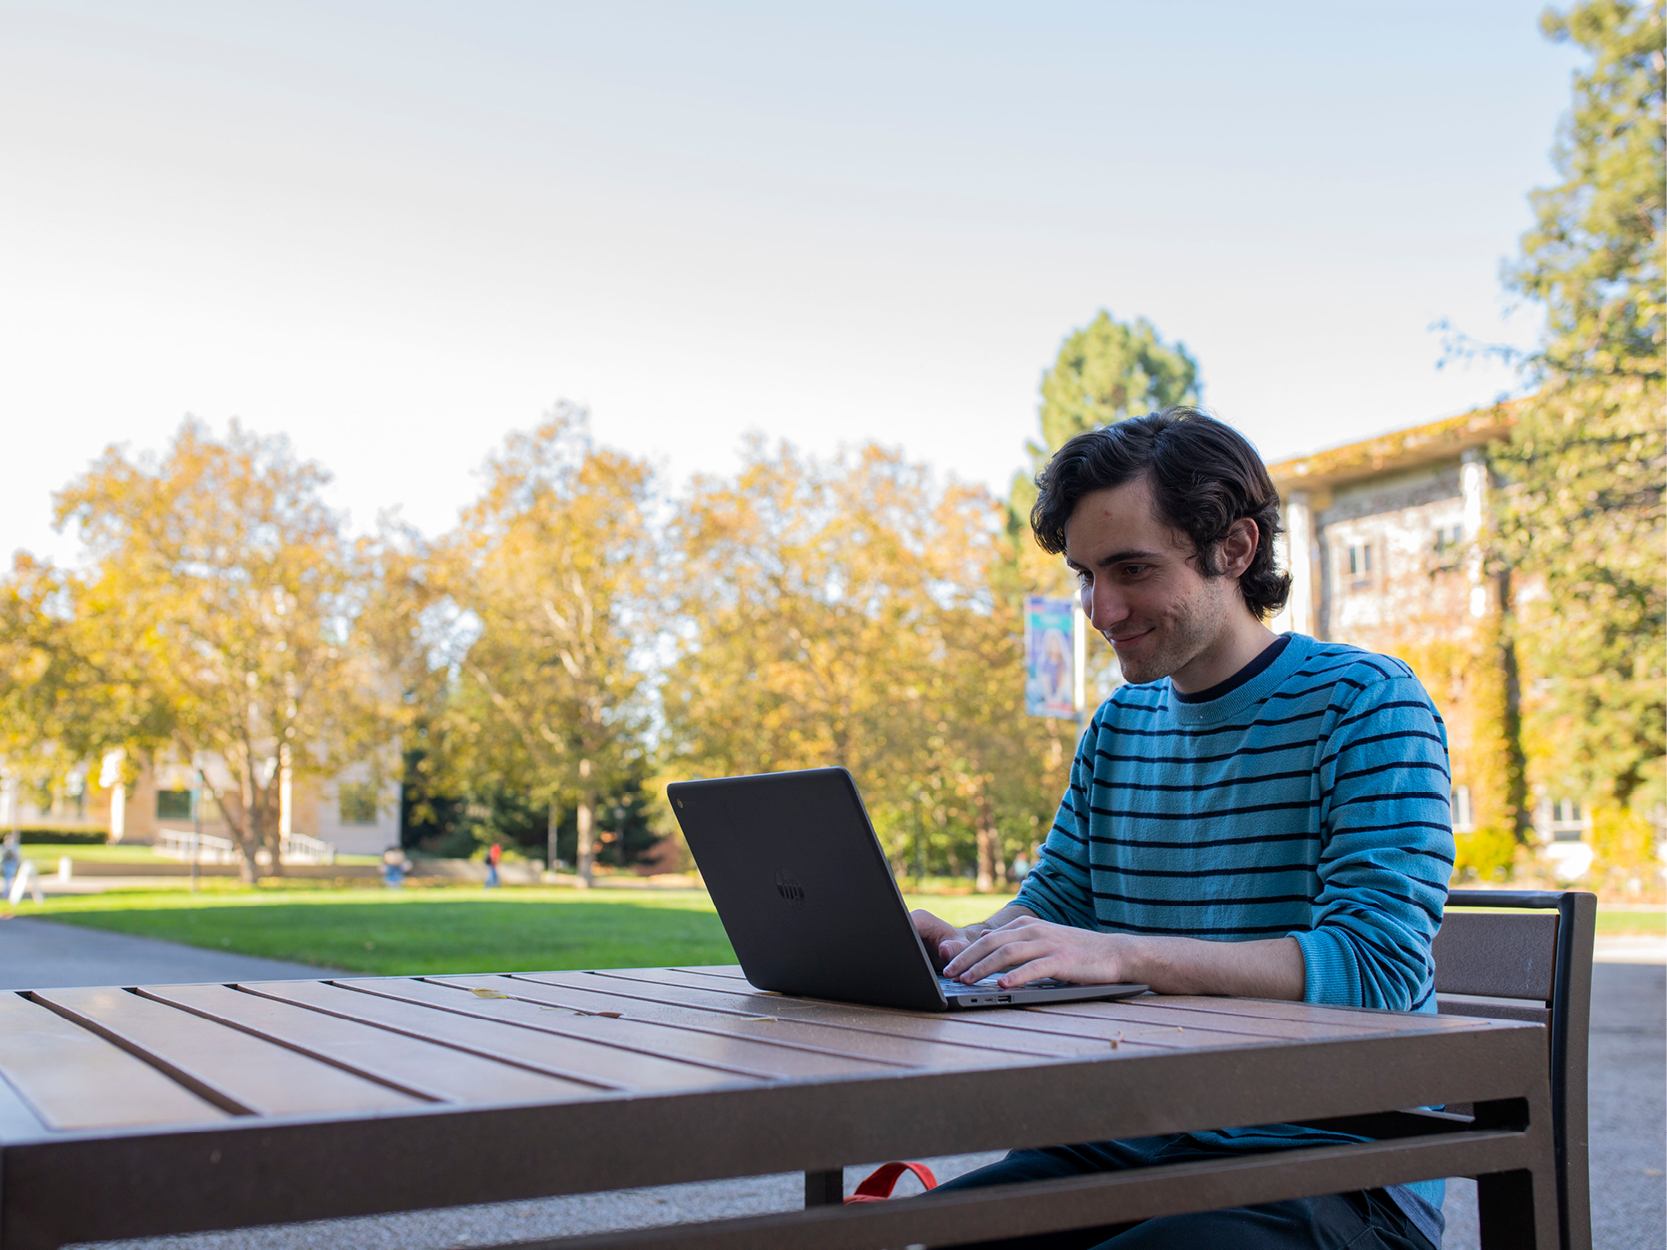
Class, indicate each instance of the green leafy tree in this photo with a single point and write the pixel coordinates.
(1587, 460)
(1106, 371)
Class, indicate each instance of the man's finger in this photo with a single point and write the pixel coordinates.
(1005, 956)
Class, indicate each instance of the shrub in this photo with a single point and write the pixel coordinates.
(63, 837)
(1486, 853)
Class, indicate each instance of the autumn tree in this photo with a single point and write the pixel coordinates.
(547, 571)
(841, 613)
(1587, 462)
(213, 619)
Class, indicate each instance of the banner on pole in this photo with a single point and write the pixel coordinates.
(1050, 657)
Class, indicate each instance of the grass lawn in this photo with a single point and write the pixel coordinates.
(437, 930)
(448, 928)
(46, 854)
(1633, 920)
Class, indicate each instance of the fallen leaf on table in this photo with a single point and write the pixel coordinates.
(478, 992)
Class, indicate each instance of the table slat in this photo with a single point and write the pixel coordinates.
(783, 1025)
(424, 1069)
(74, 1079)
(636, 1029)
(1147, 1020)
(229, 1067)
(549, 1049)
(1359, 1021)
(1009, 1028)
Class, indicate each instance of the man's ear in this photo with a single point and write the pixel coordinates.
(1238, 549)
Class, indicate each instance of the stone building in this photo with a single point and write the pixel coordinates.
(1383, 541)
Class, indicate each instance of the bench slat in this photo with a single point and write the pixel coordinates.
(424, 1069)
(1497, 955)
(74, 1079)
(229, 1066)
(1494, 1008)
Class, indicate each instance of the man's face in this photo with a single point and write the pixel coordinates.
(1141, 587)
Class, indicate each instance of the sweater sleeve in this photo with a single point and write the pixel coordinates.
(1386, 847)
(1058, 888)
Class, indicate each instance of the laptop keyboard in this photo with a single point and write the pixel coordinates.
(951, 986)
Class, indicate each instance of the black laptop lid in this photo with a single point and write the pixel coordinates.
(804, 893)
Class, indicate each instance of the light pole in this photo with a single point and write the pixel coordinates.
(196, 819)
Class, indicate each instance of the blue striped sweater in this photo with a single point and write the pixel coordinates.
(1311, 801)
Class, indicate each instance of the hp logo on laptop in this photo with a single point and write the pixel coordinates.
(789, 889)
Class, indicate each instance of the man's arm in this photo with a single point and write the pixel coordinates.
(1028, 948)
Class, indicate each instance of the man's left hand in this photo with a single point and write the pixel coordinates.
(1033, 949)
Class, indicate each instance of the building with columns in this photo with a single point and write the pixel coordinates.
(1384, 544)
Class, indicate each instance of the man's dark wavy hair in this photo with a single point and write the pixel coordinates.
(1205, 477)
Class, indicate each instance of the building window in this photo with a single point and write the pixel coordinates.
(1462, 822)
(1567, 823)
(173, 805)
(1448, 539)
(356, 803)
(1359, 560)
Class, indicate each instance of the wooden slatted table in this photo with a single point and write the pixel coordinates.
(134, 1111)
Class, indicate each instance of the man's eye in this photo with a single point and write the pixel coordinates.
(1134, 570)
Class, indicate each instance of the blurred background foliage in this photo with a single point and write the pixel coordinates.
(584, 635)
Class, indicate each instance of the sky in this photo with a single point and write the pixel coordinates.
(395, 230)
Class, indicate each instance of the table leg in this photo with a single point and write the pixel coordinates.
(1505, 1211)
(825, 1189)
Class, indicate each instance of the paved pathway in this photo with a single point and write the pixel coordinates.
(38, 955)
(1628, 1087)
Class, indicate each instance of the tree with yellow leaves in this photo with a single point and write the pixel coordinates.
(549, 569)
(843, 614)
(213, 619)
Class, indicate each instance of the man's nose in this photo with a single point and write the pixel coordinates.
(1104, 607)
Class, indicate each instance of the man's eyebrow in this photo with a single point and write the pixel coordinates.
(1117, 557)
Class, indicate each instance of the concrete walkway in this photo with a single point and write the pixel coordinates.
(39, 955)
(1628, 1091)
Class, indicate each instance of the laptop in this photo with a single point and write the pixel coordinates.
(808, 900)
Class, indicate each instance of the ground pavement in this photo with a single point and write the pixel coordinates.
(1628, 1086)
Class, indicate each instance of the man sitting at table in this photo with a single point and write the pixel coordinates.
(1254, 814)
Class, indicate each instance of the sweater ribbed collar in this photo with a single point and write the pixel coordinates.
(1235, 702)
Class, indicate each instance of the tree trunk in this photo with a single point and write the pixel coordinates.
(1521, 815)
(550, 836)
(989, 848)
(587, 841)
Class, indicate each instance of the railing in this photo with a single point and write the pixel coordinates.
(201, 848)
(208, 848)
(298, 848)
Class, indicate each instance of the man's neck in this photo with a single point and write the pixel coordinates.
(1242, 641)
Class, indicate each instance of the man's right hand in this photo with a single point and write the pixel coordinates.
(943, 941)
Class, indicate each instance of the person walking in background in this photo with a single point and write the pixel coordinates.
(492, 858)
(10, 856)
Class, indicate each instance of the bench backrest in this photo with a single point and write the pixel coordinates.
(1528, 956)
